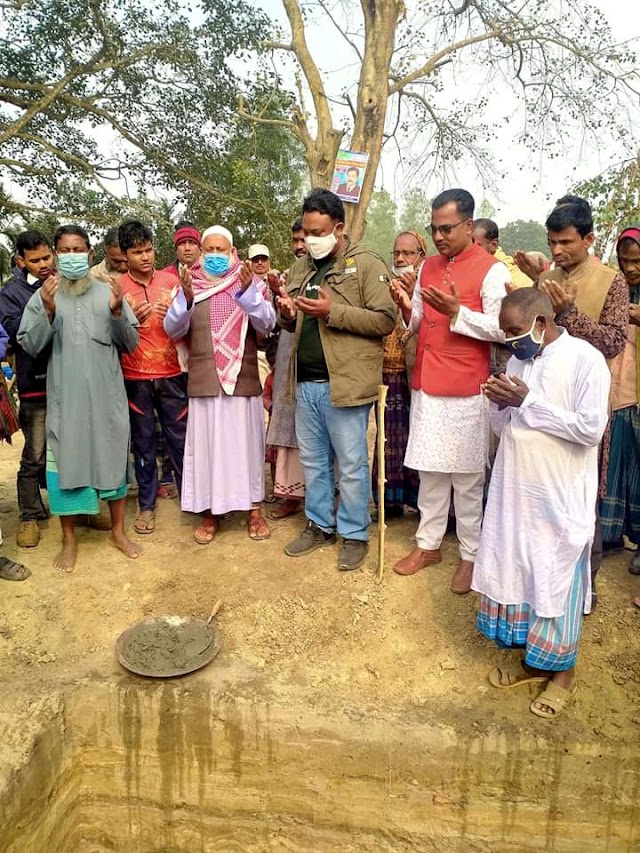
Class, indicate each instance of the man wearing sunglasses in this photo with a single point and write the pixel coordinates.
(454, 310)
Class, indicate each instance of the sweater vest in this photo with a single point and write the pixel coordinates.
(203, 377)
(449, 364)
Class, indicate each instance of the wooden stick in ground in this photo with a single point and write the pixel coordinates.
(381, 439)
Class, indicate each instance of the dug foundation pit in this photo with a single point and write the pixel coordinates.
(340, 715)
(179, 767)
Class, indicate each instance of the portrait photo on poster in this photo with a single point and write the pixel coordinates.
(348, 175)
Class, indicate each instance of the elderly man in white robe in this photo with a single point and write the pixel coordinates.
(550, 410)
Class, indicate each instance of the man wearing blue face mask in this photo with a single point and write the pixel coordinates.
(86, 324)
(550, 410)
(217, 315)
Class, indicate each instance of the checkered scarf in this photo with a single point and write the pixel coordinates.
(228, 321)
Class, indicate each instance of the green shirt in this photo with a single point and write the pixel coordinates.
(311, 364)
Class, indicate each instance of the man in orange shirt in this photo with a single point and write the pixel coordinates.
(152, 373)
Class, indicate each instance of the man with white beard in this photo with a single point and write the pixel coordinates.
(87, 325)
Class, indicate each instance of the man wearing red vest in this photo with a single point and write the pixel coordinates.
(455, 311)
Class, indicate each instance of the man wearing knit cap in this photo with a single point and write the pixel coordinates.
(188, 246)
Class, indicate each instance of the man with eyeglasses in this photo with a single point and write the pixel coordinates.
(454, 309)
(401, 483)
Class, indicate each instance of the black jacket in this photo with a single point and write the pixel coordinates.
(31, 372)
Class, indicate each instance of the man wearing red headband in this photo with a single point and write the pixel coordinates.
(188, 246)
(620, 509)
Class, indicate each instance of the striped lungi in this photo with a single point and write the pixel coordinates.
(550, 643)
(620, 509)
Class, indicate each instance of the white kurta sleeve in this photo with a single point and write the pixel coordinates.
(177, 320)
(261, 312)
(417, 308)
(483, 325)
(587, 423)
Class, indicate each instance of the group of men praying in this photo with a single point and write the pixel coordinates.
(512, 411)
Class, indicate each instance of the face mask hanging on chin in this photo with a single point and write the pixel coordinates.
(397, 271)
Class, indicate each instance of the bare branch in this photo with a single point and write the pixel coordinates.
(430, 66)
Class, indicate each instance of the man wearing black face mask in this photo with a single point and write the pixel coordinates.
(550, 410)
(338, 303)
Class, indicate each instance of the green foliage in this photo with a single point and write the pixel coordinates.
(615, 198)
(416, 215)
(486, 210)
(529, 236)
(118, 108)
(382, 224)
(261, 180)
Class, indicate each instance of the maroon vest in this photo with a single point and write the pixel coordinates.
(203, 378)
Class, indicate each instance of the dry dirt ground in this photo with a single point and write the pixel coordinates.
(348, 641)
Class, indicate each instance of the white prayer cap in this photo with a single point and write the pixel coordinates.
(218, 229)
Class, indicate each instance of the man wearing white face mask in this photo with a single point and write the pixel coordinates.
(532, 568)
(338, 303)
(401, 483)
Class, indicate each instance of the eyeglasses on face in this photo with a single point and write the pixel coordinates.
(402, 253)
(445, 230)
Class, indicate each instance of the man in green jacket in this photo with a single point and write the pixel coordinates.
(338, 303)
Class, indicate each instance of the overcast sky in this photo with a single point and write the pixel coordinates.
(530, 182)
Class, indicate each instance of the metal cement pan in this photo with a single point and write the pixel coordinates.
(169, 646)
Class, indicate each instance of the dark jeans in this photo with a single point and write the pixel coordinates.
(168, 398)
(32, 415)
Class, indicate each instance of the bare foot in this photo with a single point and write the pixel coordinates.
(122, 542)
(65, 559)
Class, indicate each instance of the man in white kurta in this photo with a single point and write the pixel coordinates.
(449, 431)
(532, 567)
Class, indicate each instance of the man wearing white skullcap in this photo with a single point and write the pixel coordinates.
(216, 314)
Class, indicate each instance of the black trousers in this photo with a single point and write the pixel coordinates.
(32, 415)
(168, 399)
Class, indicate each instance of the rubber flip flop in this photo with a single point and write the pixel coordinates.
(145, 522)
(555, 698)
(514, 675)
(12, 571)
(206, 533)
(254, 527)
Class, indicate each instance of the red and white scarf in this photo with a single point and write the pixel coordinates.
(228, 321)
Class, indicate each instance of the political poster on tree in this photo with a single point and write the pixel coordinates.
(349, 174)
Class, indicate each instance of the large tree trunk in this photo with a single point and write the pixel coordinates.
(381, 20)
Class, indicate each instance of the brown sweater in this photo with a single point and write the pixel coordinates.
(203, 377)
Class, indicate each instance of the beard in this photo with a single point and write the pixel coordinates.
(74, 288)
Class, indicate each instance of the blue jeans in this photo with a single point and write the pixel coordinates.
(325, 431)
